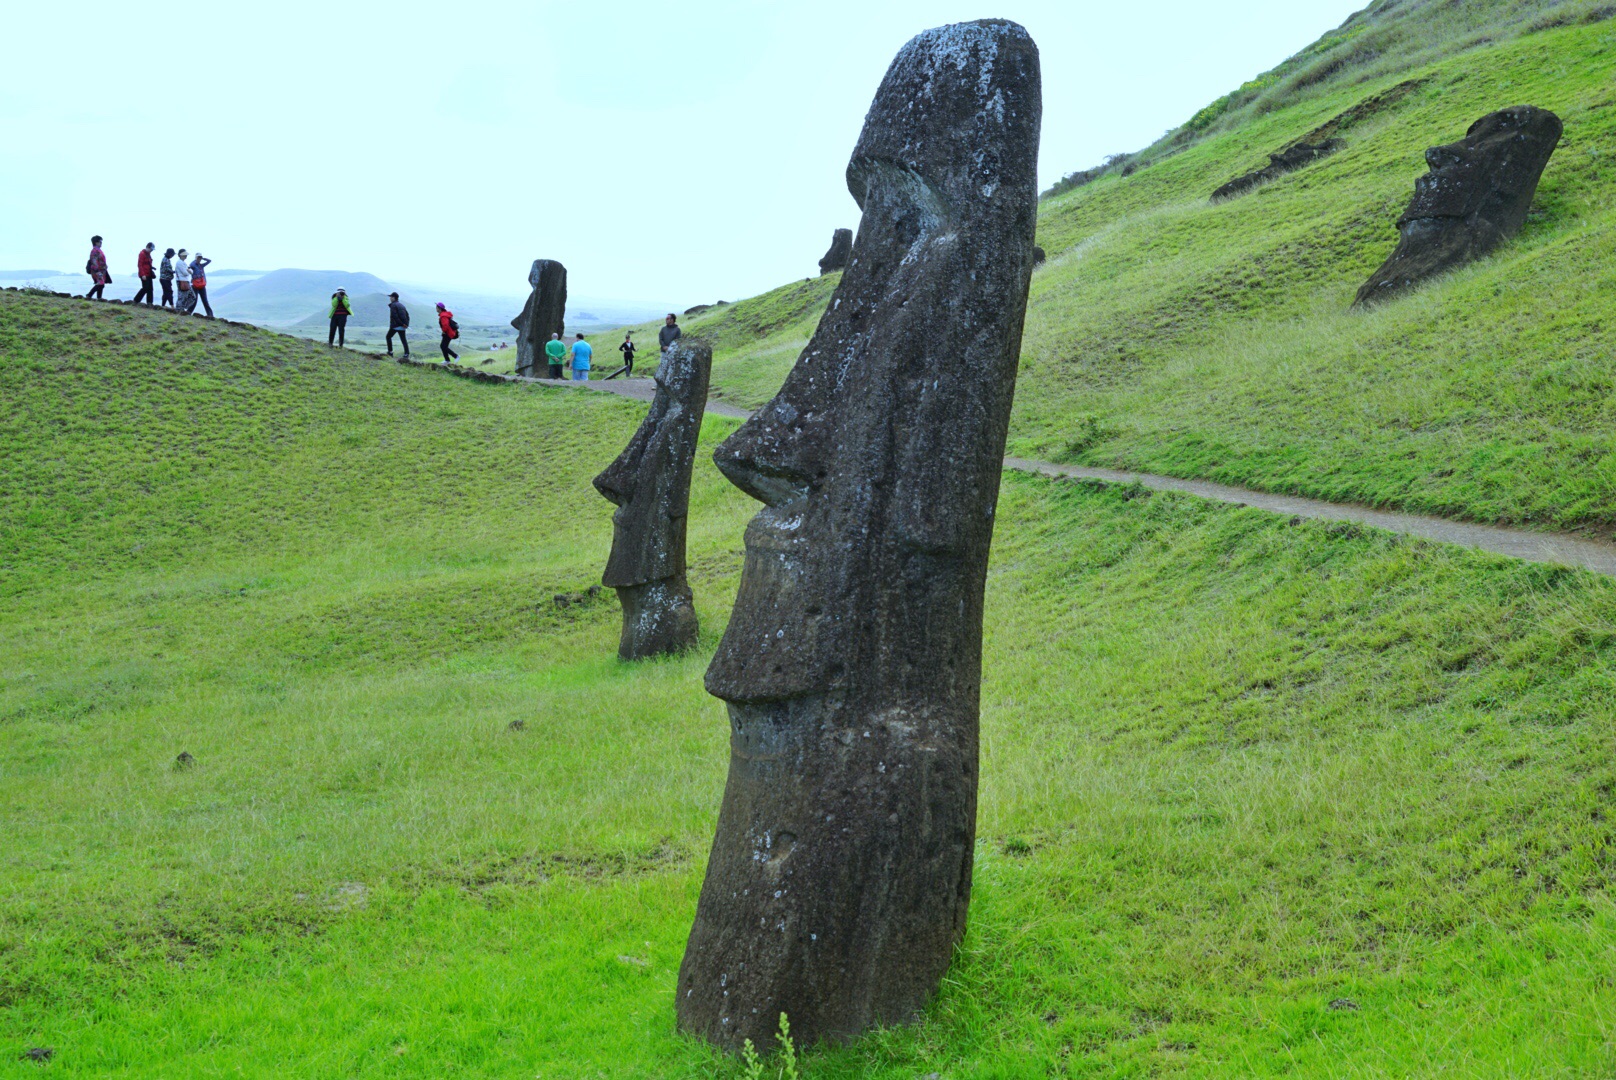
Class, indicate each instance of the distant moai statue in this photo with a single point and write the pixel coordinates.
(1475, 197)
(841, 249)
(840, 874)
(545, 313)
(650, 483)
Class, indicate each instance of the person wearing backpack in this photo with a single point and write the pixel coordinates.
(199, 282)
(555, 353)
(451, 330)
(166, 277)
(96, 267)
(341, 308)
(144, 271)
(186, 303)
(398, 321)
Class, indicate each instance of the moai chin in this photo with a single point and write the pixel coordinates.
(650, 483)
(545, 313)
(841, 870)
(1475, 197)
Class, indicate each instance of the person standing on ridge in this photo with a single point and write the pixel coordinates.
(582, 355)
(670, 332)
(451, 330)
(186, 303)
(166, 276)
(341, 308)
(199, 282)
(627, 349)
(398, 321)
(96, 267)
(144, 271)
(555, 351)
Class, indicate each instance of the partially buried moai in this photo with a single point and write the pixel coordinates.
(650, 483)
(545, 313)
(841, 869)
(1475, 197)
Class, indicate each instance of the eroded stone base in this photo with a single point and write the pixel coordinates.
(659, 619)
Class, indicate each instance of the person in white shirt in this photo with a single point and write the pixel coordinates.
(185, 302)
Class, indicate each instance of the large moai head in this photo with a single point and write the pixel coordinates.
(1475, 197)
(543, 314)
(650, 485)
(840, 874)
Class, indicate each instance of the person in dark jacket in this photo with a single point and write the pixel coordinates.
(341, 308)
(451, 330)
(96, 267)
(398, 321)
(143, 270)
(199, 282)
(166, 277)
(670, 332)
(627, 349)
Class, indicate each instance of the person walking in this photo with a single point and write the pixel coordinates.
(199, 282)
(582, 356)
(341, 308)
(144, 271)
(185, 302)
(451, 330)
(398, 321)
(96, 267)
(555, 351)
(627, 349)
(166, 276)
(670, 332)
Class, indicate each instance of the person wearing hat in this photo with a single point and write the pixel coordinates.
(398, 321)
(451, 330)
(199, 283)
(182, 281)
(96, 267)
(341, 308)
(147, 275)
(165, 275)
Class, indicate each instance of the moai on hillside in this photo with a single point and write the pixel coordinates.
(545, 313)
(1474, 198)
(841, 870)
(841, 250)
(650, 483)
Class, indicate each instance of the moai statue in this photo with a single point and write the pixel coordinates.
(1474, 198)
(650, 483)
(841, 870)
(545, 313)
(841, 249)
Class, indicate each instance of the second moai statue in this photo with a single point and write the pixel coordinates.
(545, 313)
(650, 483)
(840, 874)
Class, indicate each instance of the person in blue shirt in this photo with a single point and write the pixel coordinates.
(582, 354)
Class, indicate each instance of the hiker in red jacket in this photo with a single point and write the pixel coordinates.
(451, 330)
(148, 276)
(96, 267)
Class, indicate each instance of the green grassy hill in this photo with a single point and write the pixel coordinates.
(1176, 336)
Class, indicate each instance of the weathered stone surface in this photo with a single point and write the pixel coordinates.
(650, 483)
(545, 313)
(1475, 197)
(1287, 161)
(841, 249)
(841, 870)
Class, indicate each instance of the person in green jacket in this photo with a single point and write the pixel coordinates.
(341, 308)
(555, 351)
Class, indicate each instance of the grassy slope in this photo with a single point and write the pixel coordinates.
(1214, 341)
(1234, 770)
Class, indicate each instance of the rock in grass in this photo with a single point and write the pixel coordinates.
(40, 1054)
(518, 725)
(650, 485)
(1039, 256)
(840, 875)
(545, 313)
(841, 249)
(1474, 198)
(185, 760)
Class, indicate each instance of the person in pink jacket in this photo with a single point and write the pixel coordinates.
(97, 269)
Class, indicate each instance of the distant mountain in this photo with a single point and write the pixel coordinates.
(286, 297)
(29, 275)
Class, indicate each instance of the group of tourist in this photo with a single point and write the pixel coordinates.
(189, 277)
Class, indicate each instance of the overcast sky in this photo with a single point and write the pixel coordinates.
(676, 152)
